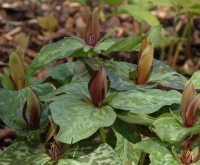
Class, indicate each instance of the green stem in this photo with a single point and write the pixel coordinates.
(102, 135)
(142, 158)
(179, 45)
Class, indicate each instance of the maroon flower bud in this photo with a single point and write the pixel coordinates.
(190, 103)
(17, 70)
(98, 87)
(32, 110)
(92, 29)
(55, 150)
(187, 155)
(145, 61)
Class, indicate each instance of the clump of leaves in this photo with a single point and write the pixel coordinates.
(97, 112)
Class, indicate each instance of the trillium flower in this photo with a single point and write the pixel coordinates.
(145, 60)
(92, 29)
(32, 110)
(190, 103)
(98, 87)
(187, 155)
(55, 150)
(17, 70)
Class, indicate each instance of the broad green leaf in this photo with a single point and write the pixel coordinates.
(165, 76)
(119, 68)
(62, 71)
(11, 104)
(159, 155)
(106, 44)
(118, 45)
(139, 13)
(145, 102)
(126, 135)
(23, 153)
(78, 120)
(126, 45)
(133, 118)
(126, 151)
(42, 89)
(154, 35)
(54, 51)
(170, 130)
(75, 89)
(195, 79)
(103, 155)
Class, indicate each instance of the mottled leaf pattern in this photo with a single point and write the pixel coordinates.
(54, 51)
(159, 155)
(78, 120)
(133, 118)
(165, 76)
(23, 153)
(126, 151)
(170, 130)
(11, 102)
(103, 155)
(145, 101)
(195, 79)
(61, 72)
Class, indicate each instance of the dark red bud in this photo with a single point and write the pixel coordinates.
(55, 150)
(98, 87)
(32, 110)
(92, 29)
(190, 103)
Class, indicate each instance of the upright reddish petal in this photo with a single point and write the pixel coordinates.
(187, 96)
(92, 29)
(17, 70)
(145, 62)
(33, 110)
(98, 87)
(192, 111)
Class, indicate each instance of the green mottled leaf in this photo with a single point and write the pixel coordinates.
(148, 101)
(23, 153)
(54, 51)
(117, 45)
(159, 155)
(195, 79)
(165, 76)
(139, 13)
(11, 104)
(121, 69)
(125, 149)
(103, 155)
(154, 35)
(78, 120)
(126, 45)
(42, 89)
(170, 130)
(133, 118)
(62, 71)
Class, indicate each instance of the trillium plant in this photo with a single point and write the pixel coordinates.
(96, 110)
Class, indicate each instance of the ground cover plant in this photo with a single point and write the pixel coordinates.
(99, 111)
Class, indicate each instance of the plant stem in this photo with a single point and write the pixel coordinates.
(179, 45)
(102, 135)
(142, 158)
